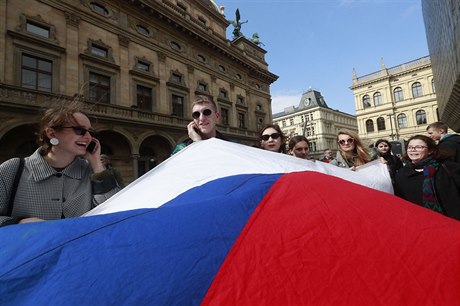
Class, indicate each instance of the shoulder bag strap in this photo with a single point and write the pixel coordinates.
(15, 186)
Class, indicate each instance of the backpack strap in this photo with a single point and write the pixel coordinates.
(15, 186)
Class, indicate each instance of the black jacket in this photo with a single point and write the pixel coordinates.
(408, 185)
(451, 146)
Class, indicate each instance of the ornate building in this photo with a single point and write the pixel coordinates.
(314, 119)
(442, 24)
(137, 64)
(397, 102)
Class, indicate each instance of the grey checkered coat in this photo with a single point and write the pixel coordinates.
(48, 194)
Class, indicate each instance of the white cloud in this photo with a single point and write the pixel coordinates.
(279, 102)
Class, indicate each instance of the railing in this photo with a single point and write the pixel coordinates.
(20, 97)
(394, 70)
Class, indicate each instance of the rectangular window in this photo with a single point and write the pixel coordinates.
(99, 88)
(222, 94)
(241, 120)
(240, 100)
(202, 87)
(144, 98)
(99, 51)
(143, 66)
(177, 106)
(224, 115)
(291, 121)
(177, 78)
(36, 73)
(37, 29)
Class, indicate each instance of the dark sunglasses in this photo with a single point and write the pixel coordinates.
(78, 130)
(267, 137)
(348, 141)
(207, 112)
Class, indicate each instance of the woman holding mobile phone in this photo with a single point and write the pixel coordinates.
(63, 178)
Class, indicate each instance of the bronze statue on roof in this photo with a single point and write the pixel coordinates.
(237, 25)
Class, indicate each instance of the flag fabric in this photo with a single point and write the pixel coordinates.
(287, 238)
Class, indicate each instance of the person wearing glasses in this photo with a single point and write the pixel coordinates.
(63, 178)
(298, 147)
(351, 153)
(205, 118)
(431, 180)
(271, 138)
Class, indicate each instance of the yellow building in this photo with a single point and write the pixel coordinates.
(137, 64)
(316, 121)
(395, 103)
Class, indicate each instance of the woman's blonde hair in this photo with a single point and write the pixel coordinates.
(360, 153)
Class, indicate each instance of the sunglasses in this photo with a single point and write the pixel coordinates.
(78, 130)
(207, 112)
(267, 137)
(348, 141)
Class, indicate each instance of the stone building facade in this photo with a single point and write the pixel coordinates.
(138, 65)
(395, 103)
(442, 24)
(316, 121)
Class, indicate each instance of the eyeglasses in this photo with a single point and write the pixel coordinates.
(348, 141)
(78, 130)
(273, 136)
(416, 148)
(207, 112)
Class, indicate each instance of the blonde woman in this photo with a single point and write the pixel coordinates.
(351, 153)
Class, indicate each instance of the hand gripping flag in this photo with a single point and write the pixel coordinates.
(281, 236)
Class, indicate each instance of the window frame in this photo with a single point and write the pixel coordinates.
(398, 94)
(417, 90)
(381, 125)
(420, 117)
(378, 100)
(370, 126)
(402, 121)
(366, 101)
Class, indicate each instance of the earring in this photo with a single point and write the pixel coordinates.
(54, 141)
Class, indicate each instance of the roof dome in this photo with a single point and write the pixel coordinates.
(211, 4)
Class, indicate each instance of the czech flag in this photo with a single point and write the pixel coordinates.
(225, 224)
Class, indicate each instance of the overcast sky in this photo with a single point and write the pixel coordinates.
(317, 43)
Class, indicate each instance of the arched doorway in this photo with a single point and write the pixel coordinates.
(153, 151)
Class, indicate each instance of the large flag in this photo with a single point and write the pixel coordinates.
(286, 237)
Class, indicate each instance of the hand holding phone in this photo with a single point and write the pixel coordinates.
(91, 148)
(193, 132)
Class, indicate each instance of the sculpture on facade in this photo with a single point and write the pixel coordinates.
(237, 24)
(255, 39)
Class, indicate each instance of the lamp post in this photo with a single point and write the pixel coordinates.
(391, 126)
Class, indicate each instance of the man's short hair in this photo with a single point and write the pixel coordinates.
(204, 100)
(438, 126)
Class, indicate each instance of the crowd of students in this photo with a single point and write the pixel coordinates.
(67, 176)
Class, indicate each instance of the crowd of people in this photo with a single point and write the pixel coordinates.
(68, 176)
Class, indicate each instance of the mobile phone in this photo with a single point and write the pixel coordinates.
(91, 147)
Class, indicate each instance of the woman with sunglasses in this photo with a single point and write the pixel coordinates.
(430, 180)
(63, 178)
(271, 138)
(351, 153)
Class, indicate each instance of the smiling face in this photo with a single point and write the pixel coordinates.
(417, 150)
(346, 143)
(273, 142)
(300, 150)
(206, 124)
(70, 142)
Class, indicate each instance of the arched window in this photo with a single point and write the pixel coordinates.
(369, 126)
(402, 121)
(366, 101)
(377, 98)
(381, 124)
(398, 94)
(417, 90)
(420, 116)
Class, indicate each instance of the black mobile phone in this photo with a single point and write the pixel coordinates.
(91, 147)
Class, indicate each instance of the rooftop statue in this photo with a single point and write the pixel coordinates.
(237, 24)
(255, 39)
